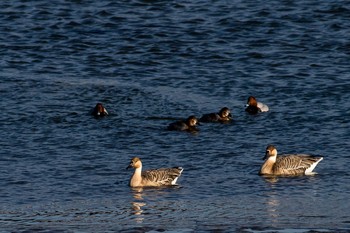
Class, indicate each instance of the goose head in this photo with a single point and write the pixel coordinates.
(271, 152)
(135, 163)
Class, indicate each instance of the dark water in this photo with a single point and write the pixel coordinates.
(151, 62)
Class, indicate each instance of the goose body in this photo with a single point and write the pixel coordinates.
(155, 177)
(254, 107)
(289, 164)
(185, 125)
(224, 115)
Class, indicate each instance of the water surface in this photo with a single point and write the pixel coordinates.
(149, 63)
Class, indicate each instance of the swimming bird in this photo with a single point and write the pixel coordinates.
(185, 125)
(224, 115)
(156, 177)
(99, 111)
(288, 164)
(254, 107)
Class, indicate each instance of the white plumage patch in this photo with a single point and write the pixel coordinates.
(263, 107)
(309, 170)
(174, 181)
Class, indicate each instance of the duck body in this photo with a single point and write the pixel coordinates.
(184, 125)
(153, 178)
(288, 164)
(223, 115)
(254, 107)
(99, 111)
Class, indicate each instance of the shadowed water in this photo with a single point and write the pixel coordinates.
(151, 63)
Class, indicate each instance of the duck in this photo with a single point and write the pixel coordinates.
(254, 107)
(288, 164)
(152, 178)
(185, 125)
(224, 115)
(99, 111)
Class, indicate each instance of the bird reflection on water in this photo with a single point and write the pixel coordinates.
(272, 205)
(280, 204)
(137, 204)
(271, 201)
(148, 201)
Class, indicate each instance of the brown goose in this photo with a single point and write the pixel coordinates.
(156, 177)
(291, 164)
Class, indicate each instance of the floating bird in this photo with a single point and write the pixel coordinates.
(288, 164)
(185, 125)
(254, 107)
(156, 177)
(224, 115)
(99, 111)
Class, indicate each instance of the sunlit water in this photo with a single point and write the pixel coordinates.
(150, 63)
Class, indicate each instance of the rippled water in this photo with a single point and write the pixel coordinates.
(151, 62)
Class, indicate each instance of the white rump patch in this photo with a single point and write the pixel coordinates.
(174, 181)
(312, 167)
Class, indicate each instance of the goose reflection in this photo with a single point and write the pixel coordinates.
(271, 201)
(141, 195)
(270, 179)
(138, 203)
(273, 204)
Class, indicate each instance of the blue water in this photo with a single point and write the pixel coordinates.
(151, 62)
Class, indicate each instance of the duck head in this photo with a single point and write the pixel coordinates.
(225, 112)
(252, 101)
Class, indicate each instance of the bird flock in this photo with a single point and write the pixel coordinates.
(281, 165)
